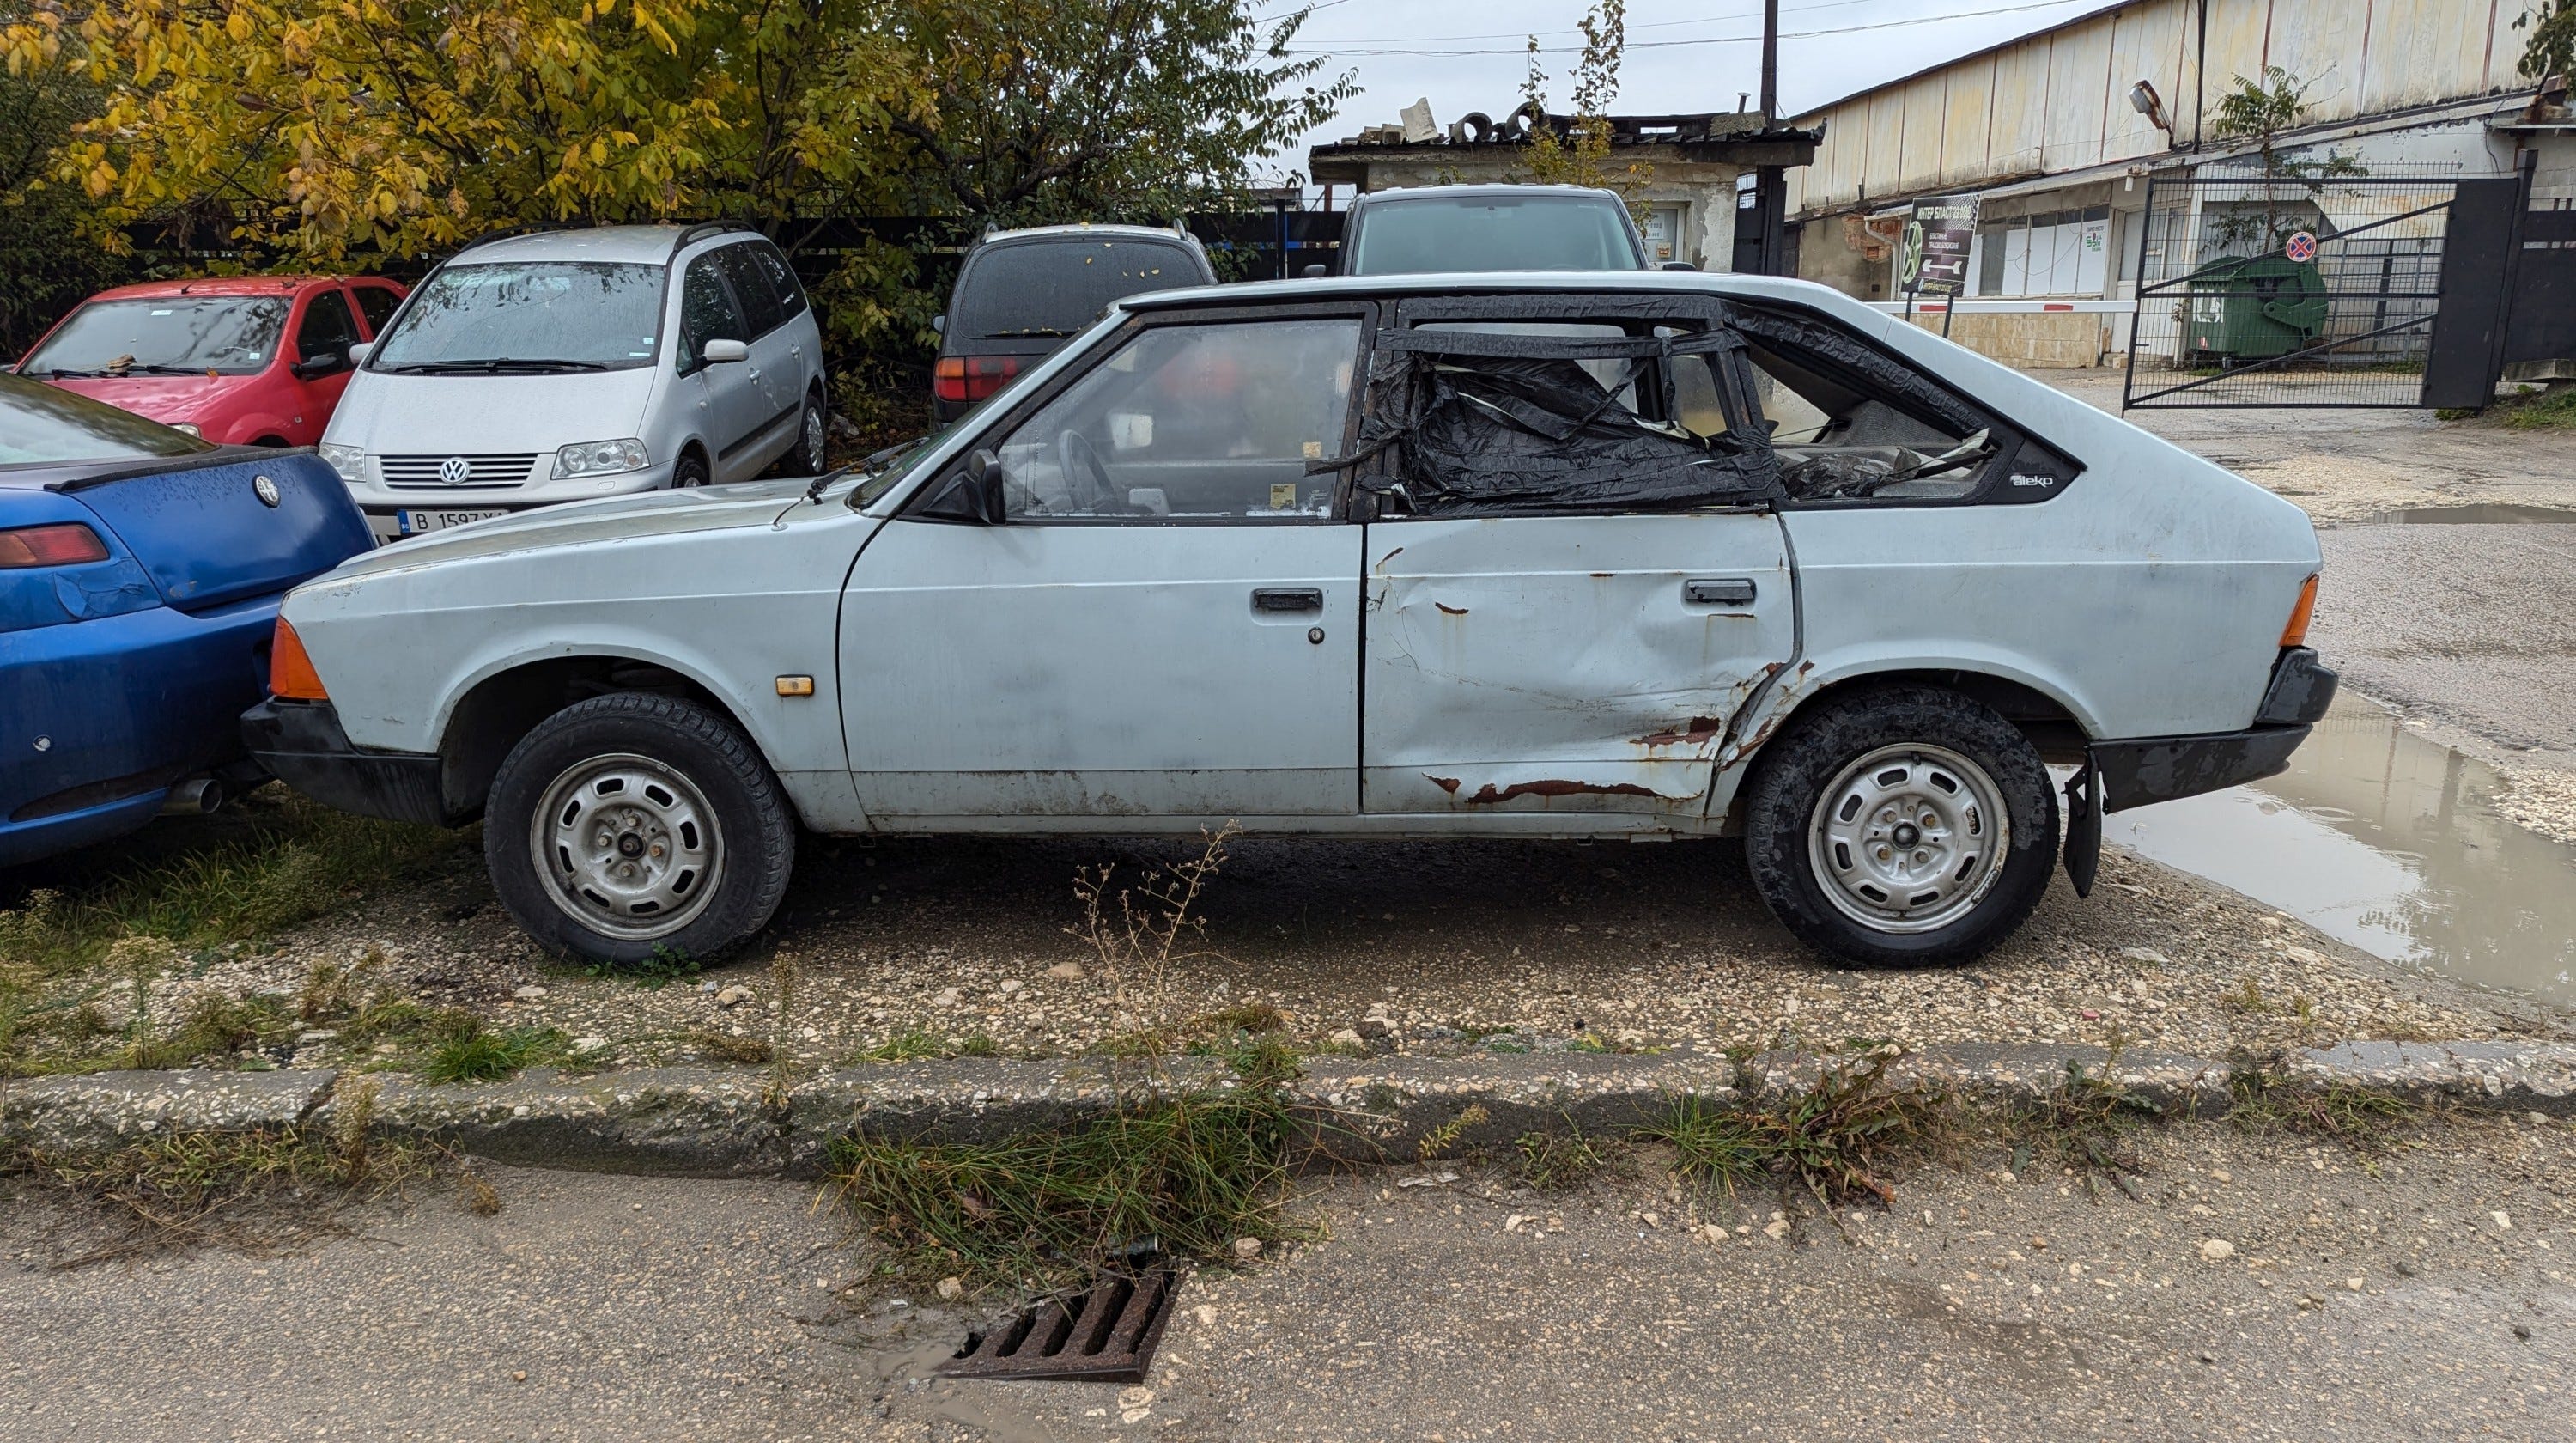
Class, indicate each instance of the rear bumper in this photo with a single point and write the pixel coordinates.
(302, 744)
(99, 718)
(2139, 770)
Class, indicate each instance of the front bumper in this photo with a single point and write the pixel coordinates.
(2136, 771)
(301, 743)
(384, 506)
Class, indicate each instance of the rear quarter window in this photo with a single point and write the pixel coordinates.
(1051, 289)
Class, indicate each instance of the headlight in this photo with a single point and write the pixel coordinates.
(599, 458)
(344, 459)
(188, 426)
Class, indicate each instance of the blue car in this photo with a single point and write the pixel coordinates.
(140, 572)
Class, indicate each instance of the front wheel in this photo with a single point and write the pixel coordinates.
(1904, 826)
(632, 825)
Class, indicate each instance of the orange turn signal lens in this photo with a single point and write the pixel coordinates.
(2296, 633)
(290, 671)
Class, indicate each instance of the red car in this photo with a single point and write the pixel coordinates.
(240, 361)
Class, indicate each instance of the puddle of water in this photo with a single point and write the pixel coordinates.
(2485, 513)
(2381, 839)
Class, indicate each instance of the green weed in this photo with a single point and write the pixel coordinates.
(2087, 1123)
(298, 860)
(256, 1190)
(1195, 1171)
(2365, 1121)
(471, 1054)
(1838, 1139)
(1550, 1160)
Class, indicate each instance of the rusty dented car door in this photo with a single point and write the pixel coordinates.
(1564, 663)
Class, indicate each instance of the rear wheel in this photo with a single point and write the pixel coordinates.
(1902, 826)
(813, 439)
(631, 824)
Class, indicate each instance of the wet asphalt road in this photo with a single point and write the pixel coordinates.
(1976, 1308)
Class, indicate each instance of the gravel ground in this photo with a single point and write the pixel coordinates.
(1424, 948)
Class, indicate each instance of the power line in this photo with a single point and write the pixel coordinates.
(1702, 40)
(1648, 25)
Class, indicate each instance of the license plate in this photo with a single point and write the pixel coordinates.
(415, 522)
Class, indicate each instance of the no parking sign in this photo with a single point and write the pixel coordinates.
(2301, 246)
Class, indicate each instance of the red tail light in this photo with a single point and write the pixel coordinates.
(66, 543)
(971, 378)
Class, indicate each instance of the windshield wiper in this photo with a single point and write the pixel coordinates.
(491, 366)
(156, 369)
(814, 488)
(868, 467)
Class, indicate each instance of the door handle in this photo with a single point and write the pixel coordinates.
(1287, 598)
(1718, 591)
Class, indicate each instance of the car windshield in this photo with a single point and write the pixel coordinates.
(572, 315)
(227, 335)
(1053, 288)
(1497, 233)
(41, 423)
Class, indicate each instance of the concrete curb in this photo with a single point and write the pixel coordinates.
(713, 1122)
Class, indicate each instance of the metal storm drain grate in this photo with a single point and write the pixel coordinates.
(1106, 1335)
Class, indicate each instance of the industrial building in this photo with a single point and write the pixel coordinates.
(2055, 136)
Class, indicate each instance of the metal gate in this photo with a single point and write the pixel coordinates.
(2291, 290)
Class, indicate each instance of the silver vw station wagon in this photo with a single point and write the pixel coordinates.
(1658, 556)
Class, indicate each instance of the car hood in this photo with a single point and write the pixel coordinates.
(162, 398)
(441, 415)
(590, 523)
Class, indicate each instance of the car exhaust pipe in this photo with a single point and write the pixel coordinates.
(194, 797)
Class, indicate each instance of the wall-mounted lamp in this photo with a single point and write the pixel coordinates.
(2144, 100)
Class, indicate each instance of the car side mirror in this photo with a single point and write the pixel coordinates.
(939, 325)
(721, 352)
(358, 353)
(320, 363)
(984, 483)
(1315, 272)
(1679, 266)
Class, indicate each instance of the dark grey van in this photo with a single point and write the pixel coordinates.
(1022, 293)
(1439, 228)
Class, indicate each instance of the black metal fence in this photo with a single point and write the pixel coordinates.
(2287, 290)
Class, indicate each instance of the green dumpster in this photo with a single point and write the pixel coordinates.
(2253, 309)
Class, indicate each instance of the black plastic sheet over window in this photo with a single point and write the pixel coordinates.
(1499, 422)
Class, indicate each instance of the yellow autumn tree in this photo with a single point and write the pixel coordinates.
(315, 127)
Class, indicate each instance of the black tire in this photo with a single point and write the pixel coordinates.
(813, 440)
(731, 813)
(689, 470)
(1822, 750)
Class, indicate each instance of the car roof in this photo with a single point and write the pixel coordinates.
(1086, 231)
(629, 244)
(1489, 190)
(217, 286)
(1457, 283)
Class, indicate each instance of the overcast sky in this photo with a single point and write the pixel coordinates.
(1684, 56)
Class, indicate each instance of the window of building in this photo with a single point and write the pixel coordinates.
(2049, 253)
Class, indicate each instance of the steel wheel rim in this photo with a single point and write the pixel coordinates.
(628, 846)
(1909, 839)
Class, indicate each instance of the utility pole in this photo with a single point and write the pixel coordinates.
(1770, 182)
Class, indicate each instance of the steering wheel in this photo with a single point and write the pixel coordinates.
(1086, 480)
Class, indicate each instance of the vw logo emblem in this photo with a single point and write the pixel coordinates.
(265, 490)
(455, 471)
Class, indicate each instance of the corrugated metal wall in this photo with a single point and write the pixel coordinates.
(2059, 100)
